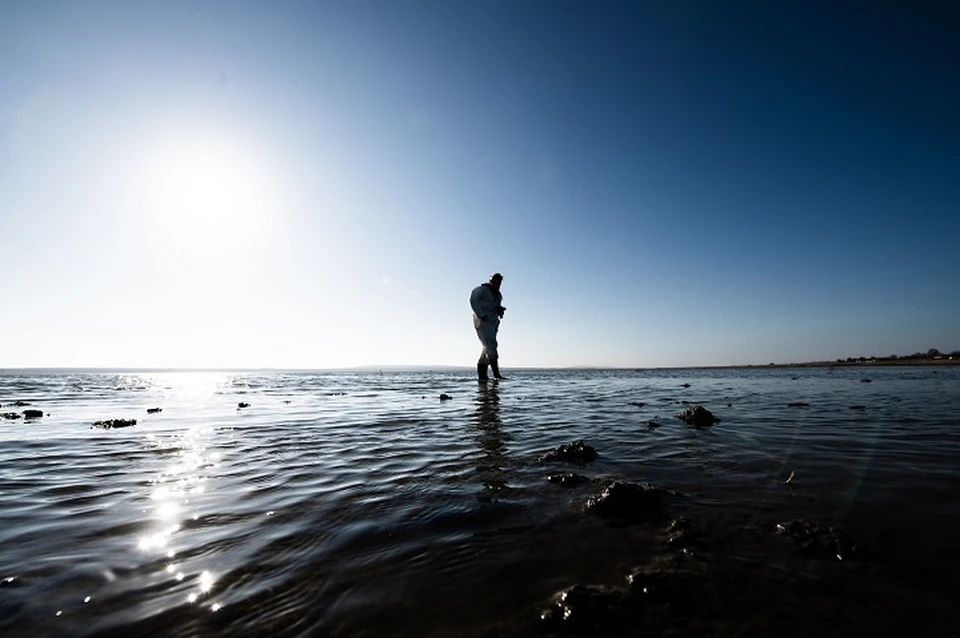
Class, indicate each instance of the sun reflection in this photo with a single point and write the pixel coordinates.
(168, 510)
(177, 492)
(191, 385)
(153, 541)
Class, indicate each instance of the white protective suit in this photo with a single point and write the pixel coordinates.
(486, 303)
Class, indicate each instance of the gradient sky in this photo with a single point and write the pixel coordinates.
(321, 184)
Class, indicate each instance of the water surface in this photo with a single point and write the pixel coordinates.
(362, 504)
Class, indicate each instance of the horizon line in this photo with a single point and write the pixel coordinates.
(432, 368)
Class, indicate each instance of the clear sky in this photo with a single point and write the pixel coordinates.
(321, 184)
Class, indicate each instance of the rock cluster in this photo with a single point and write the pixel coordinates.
(576, 452)
(624, 501)
(687, 593)
(697, 416)
(110, 424)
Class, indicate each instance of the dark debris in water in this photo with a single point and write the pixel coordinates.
(698, 416)
(576, 452)
(681, 593)
(589, 610)
(681, 532)
(154, 410)
(110, 424)
(628, 502)
(10, 416)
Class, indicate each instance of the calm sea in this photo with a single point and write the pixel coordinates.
(361, 504)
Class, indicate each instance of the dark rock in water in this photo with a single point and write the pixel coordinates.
(445, 397)
(666, 587)
(865, 381)
(686, 385)
(154, 410)
(20, 404)
(654, 423)
(588, 610)
(682, 533)
(798, 404)
(628, 501)
(698, 416)
(115, 423)
(11, 415)
(576, 452)
(858, 407)
(32, 414)
(568, 479)
(243, 404)
(638, 404)
(825, 542)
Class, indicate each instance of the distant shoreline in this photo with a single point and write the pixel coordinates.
(392, 369)
(856, 364)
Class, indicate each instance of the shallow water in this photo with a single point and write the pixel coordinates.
(362, 504)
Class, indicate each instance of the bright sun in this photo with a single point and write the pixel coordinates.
(205, 195)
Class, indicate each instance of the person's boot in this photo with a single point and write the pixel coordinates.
(482, 372)
(496, 370)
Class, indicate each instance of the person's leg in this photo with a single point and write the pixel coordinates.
(495, 367)
(487, 334)
(482, 366)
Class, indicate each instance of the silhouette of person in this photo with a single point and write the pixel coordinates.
(487, 304)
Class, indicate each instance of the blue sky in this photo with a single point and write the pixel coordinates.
(321, 184)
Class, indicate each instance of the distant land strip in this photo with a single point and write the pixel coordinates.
(933, 358)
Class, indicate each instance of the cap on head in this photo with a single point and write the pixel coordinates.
(496, 277)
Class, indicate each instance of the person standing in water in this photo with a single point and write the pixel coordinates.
(487, 304)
